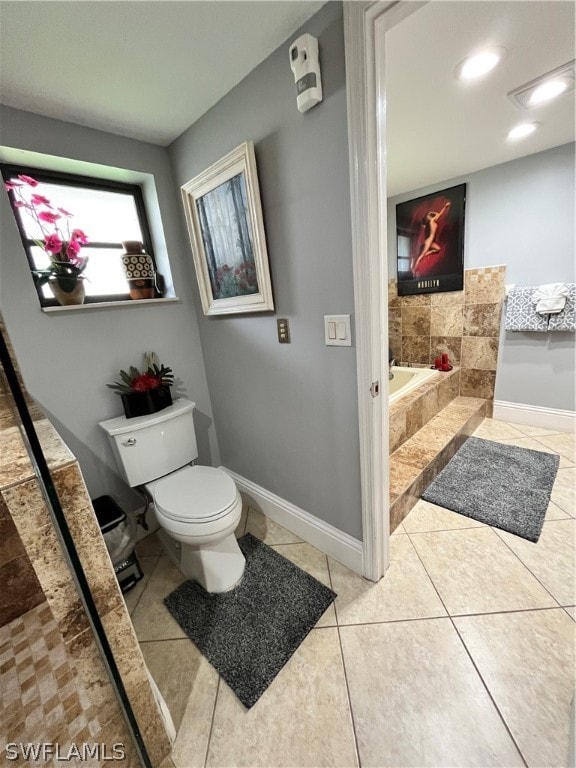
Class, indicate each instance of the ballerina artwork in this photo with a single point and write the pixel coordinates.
(432, 229)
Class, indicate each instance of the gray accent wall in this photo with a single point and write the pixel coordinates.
(67, 358)
(521, 214)
(286, 414)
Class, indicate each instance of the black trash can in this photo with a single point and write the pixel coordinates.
(119, 532)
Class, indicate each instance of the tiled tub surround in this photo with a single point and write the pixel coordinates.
(465, 324)
(39, 598)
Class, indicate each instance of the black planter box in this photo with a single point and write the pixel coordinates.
(143, 403)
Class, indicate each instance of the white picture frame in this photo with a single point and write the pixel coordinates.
(224, 216)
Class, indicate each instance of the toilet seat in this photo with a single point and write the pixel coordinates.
(198, 495)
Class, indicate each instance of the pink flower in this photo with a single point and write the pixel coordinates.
(48, 217)
(39, 200)
(28, 180)
(65, 212)
(21, 204)
(10, 185)
(79, 236)
(53, 244)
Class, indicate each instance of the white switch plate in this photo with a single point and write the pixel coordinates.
(337, 331)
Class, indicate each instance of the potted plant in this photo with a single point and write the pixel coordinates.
(61, 243)
(144, 392)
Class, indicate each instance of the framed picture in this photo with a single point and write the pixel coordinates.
(430, 239)
(224, 216)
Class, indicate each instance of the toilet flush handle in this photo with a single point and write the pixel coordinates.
(130, 441)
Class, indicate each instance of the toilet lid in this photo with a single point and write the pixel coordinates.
(196, 493)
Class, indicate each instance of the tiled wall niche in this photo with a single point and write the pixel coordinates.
(54, 684)
(465, 324)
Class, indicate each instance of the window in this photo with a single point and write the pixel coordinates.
(107, 212)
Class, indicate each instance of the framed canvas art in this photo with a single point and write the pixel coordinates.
(224, 217)
(430, 242)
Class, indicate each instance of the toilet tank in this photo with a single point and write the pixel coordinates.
(148, 447)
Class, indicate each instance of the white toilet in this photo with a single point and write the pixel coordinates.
(197, 508)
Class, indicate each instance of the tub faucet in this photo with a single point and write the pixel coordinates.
(390, 364)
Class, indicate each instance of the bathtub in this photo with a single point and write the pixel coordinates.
(407, 379)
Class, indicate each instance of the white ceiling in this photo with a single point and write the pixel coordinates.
(146, 70)
(440, 128)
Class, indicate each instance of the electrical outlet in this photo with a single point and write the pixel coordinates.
(283, 331)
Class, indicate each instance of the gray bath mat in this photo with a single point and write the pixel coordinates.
(501, 485)
(250, 632)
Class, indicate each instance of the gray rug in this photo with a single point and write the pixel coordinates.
(501, 485)
(250, 632)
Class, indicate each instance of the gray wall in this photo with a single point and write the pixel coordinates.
(67, 358)
(521, 214)
(286, 415)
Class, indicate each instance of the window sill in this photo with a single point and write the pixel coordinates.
(110, 304)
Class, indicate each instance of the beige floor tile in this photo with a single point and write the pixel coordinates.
(399, 529)
(475, 572)
(167, 763)
(405, 591)
(536, 445)
(563, 492)
(425, 517)
(132, 598)
(535, 431)
(174, 665)
(418, 701)
(571, 611)
(150, 546)
(192, 738)
(527, 662)
(551, 560)
(303, 719)
(315, 563)
(493, 429)
(267, 530)
(151, 618)
(564, 444)
(555, 513)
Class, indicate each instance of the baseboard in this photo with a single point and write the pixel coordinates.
(325, 537)
(535, 416)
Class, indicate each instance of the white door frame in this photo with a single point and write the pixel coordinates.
(364, 26)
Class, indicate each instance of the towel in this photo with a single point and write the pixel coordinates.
(551, 298)
(565, 320)
(520, 312)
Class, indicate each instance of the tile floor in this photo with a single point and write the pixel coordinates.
(463, 655)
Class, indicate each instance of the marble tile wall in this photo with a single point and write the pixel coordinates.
(39, 580)
(465, 324)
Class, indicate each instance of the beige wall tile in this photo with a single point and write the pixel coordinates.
(416, 349)
(451, 345)
(415, 321)
(524, 659)
(447, 320)
(419, 300)
(484, 285)
(475, 383)
(479, 353)
(482, 319)
(417, 699)
(451, 298)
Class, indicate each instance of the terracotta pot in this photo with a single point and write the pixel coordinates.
(67, 290)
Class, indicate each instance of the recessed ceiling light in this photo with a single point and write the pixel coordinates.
(522, 130)
(479, 64)
(548, 90)
(544, 88)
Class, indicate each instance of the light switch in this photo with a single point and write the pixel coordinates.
(337, 330)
